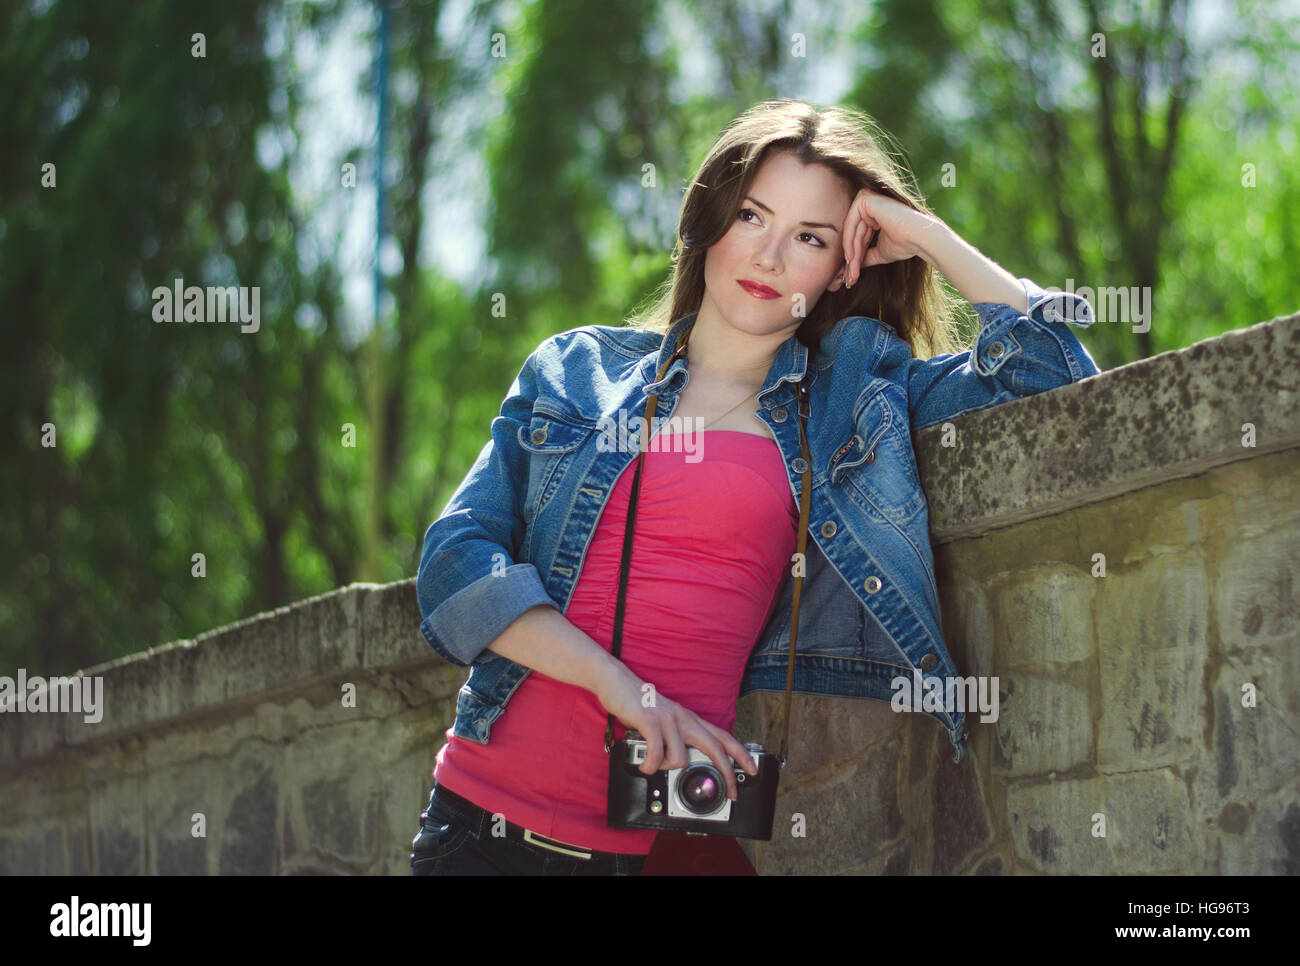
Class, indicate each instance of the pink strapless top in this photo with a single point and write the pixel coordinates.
(714, 539)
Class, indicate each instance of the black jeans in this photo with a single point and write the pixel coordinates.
(455, 838)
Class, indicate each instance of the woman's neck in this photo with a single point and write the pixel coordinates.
(718, 353)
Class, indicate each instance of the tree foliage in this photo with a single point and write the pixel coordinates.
(1166, 163)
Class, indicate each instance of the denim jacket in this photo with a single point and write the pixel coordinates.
(515, 532)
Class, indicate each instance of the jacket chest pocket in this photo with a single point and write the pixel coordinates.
(876, 463)
(551, 444)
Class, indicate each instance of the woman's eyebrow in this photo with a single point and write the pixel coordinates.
(810, 224)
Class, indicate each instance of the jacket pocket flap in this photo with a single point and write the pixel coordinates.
(547, 434)
(872, 418)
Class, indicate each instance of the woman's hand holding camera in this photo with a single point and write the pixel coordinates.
(668, 727)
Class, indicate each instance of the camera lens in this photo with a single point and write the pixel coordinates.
(700, 788)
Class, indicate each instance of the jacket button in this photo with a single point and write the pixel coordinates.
(828, 528)
(995, 350)
(799, 464)
(872, 584)
(539, 434)
(928, 662)
(871, 457)
(779, 414)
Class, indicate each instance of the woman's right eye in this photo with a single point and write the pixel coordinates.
(741, 214)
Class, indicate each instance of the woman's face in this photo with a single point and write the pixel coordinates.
(786, 237)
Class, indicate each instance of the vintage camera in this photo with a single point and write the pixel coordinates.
(692, 798)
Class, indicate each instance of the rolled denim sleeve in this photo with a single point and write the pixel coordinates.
(1016, 354)
(469, 584)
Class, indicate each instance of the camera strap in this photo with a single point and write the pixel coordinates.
(800, 558)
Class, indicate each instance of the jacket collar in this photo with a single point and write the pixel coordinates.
(788, 366)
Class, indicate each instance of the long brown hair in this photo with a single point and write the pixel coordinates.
(907, 295)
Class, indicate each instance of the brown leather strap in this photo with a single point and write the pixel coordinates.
(651, 405)
(802, 541)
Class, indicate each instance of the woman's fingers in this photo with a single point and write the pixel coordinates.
(723, 749)
(653, 746)
(861, 227)
(850, 234)
(674, 746)
(856, 226)
(739, 752)
(859, 246)
(664, 745)
(670, 728)
(712, 747)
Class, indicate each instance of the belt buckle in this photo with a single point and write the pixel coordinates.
(532, 838)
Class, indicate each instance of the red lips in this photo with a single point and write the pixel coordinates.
(758, 290)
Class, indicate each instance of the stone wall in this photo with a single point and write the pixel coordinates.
(1127, 574)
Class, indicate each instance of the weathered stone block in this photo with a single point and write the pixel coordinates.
(248, 828)
(341, 818)
(960, 824)
(1052, 823)
(847, 820)
(390, 626)
(1260, 837)
(1152, 652)
(1044, 724)
(1042, 617)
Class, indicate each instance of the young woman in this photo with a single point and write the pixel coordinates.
(805, 253)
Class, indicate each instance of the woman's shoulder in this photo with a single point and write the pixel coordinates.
(858, 342)
(857, 329)
(608, 348)
(621, 340)
(579, 363)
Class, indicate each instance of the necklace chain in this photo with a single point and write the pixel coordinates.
(728, 412)
(686, 358)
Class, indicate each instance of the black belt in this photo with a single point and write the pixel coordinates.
(517, 833)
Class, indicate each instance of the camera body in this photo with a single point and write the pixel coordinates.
(692, 798)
